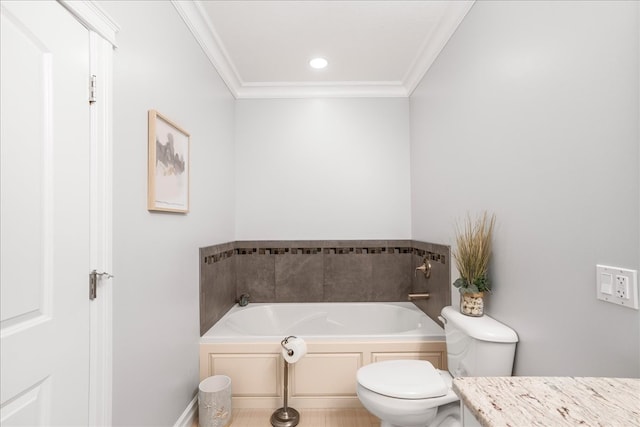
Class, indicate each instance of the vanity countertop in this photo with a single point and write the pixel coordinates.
(551, 401)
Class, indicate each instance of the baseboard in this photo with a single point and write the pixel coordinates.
(189, 415)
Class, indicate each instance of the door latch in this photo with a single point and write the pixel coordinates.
(93, 283)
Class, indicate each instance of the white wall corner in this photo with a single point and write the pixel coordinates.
(189, 415)
(435, 42)
(94, 18)
(202, 29)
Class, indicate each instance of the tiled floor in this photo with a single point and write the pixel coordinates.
(308, 418)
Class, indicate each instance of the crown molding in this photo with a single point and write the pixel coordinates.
(322, 90)
(437, 40)
(202, 29)
(196, 19)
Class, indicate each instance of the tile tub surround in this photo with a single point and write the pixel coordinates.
(321, 271)
(217, 284)
(551, 401)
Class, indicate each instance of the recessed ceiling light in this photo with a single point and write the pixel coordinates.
(318, 63)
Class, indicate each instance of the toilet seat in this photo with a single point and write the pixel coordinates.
(403, 379)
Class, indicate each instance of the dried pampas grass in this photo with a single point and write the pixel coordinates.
(473, 241)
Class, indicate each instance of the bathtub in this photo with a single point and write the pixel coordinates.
(341, 337)
(324, 321)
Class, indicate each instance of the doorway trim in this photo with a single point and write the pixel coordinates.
(102, 43)
(93, 18)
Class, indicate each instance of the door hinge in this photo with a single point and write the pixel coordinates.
(93, 283)
(92, 89)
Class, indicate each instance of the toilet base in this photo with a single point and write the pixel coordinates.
(447, 416)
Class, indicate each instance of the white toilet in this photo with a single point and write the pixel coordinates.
(412, 393)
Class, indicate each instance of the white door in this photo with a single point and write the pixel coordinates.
(44, 217)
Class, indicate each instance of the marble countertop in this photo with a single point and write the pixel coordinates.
(551, 401)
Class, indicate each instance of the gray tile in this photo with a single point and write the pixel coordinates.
(210, 250)
(385, 275)
(438, 285)
(255, 275)
(299, 278)
(217, 292)
(206, 288)
(431, 247)
(419, 283)
(391, 279)
(348, 277)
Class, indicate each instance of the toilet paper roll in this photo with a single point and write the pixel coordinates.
(299, 347)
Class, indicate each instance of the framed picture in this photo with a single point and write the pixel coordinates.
(168, 187)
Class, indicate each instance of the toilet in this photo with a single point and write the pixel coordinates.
(412, 393)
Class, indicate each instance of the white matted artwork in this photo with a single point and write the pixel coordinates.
(168, 189)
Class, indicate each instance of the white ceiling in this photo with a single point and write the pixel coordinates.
(262, 49)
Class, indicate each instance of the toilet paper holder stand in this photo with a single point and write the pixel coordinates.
(285, 416)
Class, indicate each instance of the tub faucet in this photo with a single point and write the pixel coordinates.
(243, 300)
(425, 268)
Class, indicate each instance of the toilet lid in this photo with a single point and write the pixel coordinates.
(403, 379)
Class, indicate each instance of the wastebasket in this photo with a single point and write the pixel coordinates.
(214, 401)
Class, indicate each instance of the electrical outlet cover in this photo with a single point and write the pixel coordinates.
(624, 289)
(622, 286)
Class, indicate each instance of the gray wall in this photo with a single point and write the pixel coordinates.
(158, 65)
(326, 168)
(531, 111)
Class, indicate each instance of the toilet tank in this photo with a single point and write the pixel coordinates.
(478, 346)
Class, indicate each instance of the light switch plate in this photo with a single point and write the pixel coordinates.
(606, 283)
(617, 285)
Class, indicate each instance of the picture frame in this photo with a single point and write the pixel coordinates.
(169, 165)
